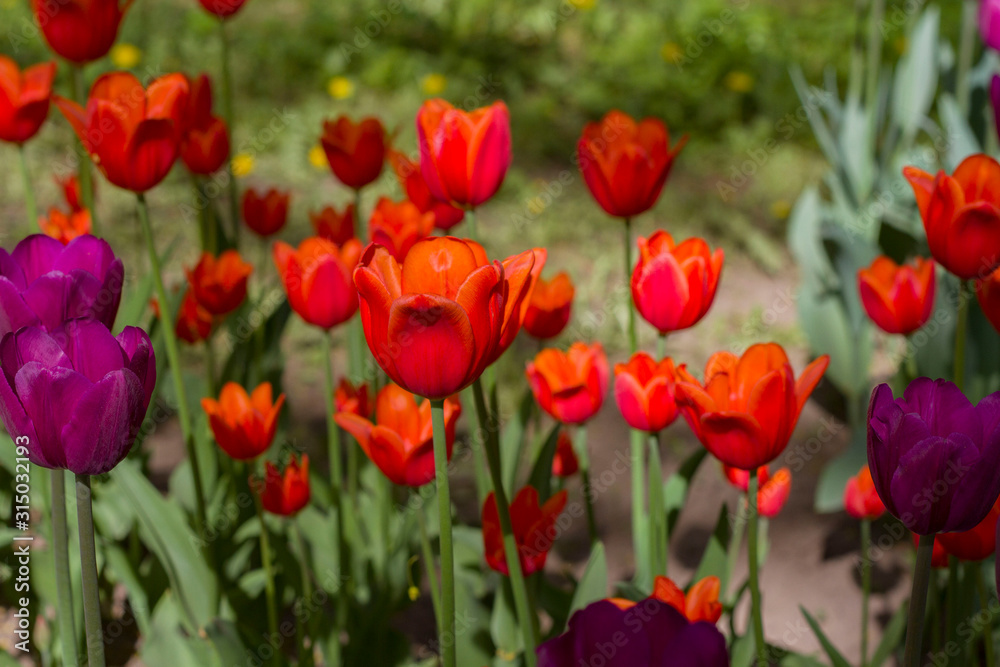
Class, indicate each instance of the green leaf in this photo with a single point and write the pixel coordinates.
(713, 561)
(835, 657)
(226, 641)
(676, 488)
(805, 238)
(825, 322)
(120, 570)
(541, 473)
(593, 586)
(916, 75)
(503, 622)
(892, 637)
(512, 443)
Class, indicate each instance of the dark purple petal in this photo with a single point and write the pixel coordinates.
(15, 419)
(927, 480)
(105, 304)
(101, 431)
(943, 407)
(91, 347)
(50, 396)
(14, 313)
(36, 255)
(660, 622)
(697, 645)
(558, 652)
(30, 344)
(989, 415)
(11, 270)
(142, 360)
(602, 631)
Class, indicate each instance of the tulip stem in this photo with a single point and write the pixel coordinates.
(29, 193)
(64, 581)
(227, 109)
(174, 360)
(658, 539)
(752, 526)
(88, 562)
(446, 628)
(428, 556)
(966, 44)
(961, 326)
(360, 222)
(470, 219)
(306, 657)
(866, 586)
(85, 174)
(334, 449)
(632, 339)
(265, 559)
(661, 346)
(739, 523)
(984, 606)
(918, 601)
(478, 444)
(580, 446)
(528, 620)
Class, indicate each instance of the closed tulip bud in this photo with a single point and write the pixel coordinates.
(571, 385)
(333, 225)
(265, 213)
(80, 31)
(285, 492)
(397, 226)
(860, 497)
(549, 307)
(899, 299)
(532, 524)
(989, 23)
(564, 463)
(243, 424)
(222, 8)
(626, 164)
(411, 179)
(133, 135)
(673, 286)
(77, 394)
(24, 99)
(194, 323)
(464, 155)
(355, 151)
(317, 279)
(219, 284)
(644, 391)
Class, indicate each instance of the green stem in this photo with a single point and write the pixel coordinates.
(446, 629)
(334, 449)
(88, 562)
(478, 444)
(918, 601)
(210, 364)
(637, 449)
(64, 581)
(874, 53)
(961, 325)
(984, 605)
(227, 110)
(265, 557)
(307, 597)
(951, 612)
(968, 40)
(758, 619)
(85, 173)
(360, 222)
(661, 347)
(428, 556)
(632, 339)
(866, 586)
(201, 209)
(29, 193)
(658, 539)
(735, 542)
(580, 446)
(174, 360)
(470, 221)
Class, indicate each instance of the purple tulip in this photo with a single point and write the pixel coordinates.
(934, 456)
(650, 634)
(78, 393)
(989, 23)
(44, 283)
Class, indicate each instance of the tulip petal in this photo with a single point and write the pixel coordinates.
(101, 430)
(50, 396)
(919, 489)
(736, 439)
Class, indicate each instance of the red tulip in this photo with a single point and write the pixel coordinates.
(71, 191)
(533, 526)
(349, 398)
(745, 412)
(267, 213)
(976, 544)
(284, 493)
(80, 30)
(63, 227)
(205, 145)
(24, 99)
(570, 385)
(961, 216)
(244, 425)
(132, 134)
(899, 299)
(220, 283)
(644, 391)
(194, 323)
(317, 278)
(772, 490)
(549, 307)
(625, 164)
(355, 151)
(701, 602)
(334, 226)
(673, 286)
(464, 156)
(397, 226)
(411, 179)
(860, 497)
(988, 295)
(437, 320)
(401, 441)
(564, 463)
(222, 8)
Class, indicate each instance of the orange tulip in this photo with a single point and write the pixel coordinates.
(317, 279)
(349, 398)
(24, 99)
(220, 283)
(549, 307)
(401, 442)
(772, 490)
(747, 408)
(355, 151)
(265, 214)
(570, 385)
(673, 286)
(533, 526)
(132, 134)
(333, 225)
(284, 493)
(63, 227)
(644, 391)
(860, 497)
(80, 31)
(397, 226)
(244, 425)
(626, 164)
(988, 295)
(436, 321)
(565, 463)
(194, 323)
(464, 155)
(899, 299)
(411, 179)
(961, 215)
(700, 604)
